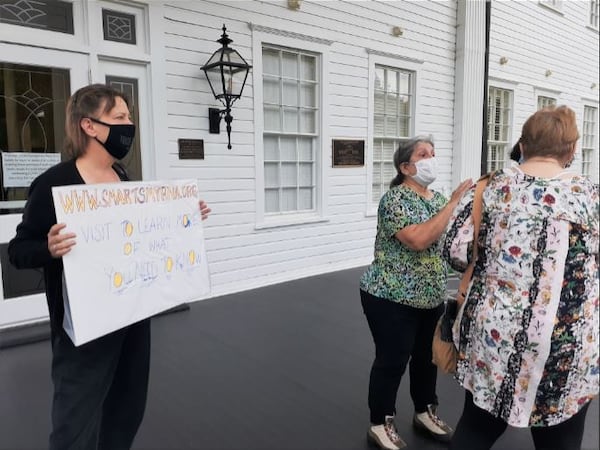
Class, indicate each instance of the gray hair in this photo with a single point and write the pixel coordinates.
(403, 154)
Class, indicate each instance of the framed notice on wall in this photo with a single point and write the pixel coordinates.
(348, 153)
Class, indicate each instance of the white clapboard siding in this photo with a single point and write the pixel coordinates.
(557, 56)
(242, 255)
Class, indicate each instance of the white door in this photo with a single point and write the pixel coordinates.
(36, 84)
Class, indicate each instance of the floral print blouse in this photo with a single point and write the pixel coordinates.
(399, 274)
(528, 332)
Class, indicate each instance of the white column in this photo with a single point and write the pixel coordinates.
(468, 88)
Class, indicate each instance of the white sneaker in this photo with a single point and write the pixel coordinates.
(385, 436)
(432, 425)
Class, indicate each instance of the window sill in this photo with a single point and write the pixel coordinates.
(594, 29)
(287, 221)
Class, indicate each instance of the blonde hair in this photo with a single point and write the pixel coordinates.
(89, 101)
(550, 132)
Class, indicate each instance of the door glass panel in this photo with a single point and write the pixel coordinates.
(133, 161)
(32, 126)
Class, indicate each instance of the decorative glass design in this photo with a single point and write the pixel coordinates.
(32, 116)
(118, 26)
(47, 15)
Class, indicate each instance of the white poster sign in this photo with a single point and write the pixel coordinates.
(19, 169)
(140, 250)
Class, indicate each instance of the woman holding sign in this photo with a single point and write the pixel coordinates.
(100, 387)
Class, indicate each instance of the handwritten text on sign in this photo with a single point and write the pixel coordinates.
(140, 250)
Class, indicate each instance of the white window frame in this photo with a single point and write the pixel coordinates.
(393, 62)
(593, 150)
(544, 101)
(321, 47)
(594, 14)
(554, 5)
(509, 139)
(77, 42)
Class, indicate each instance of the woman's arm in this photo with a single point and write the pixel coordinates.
(420, 236)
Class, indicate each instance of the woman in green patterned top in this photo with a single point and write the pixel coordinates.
(402, 293)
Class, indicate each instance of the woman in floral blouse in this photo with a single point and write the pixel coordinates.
(527, 333)
(403, 290)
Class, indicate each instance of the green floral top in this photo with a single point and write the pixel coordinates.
(399, 274)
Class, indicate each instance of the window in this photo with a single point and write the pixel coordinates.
(588, 140)
(32, 123)
(47, 15)
(499, 117)
(393, 122)
(594, 13)
(290, 137)
(554, 4)
(118, 26)
(544, 102)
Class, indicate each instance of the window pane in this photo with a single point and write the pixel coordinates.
(379, 102)
(271, 149)
(271, 91)
(271, 200)
(306, 174)
(290, 120)
(378, 125)
(309, 67)
(271, 175)
(289, 174)
(290, 93)
(379, 75)
(289, 65)
(305, 198)
(391, 126)
(388, 150)
(391, 104)
(305, 151)
(308, 95)
(307, 121)
(288, 199)
(272, 119)
(288, 148)
(270, 62)
(392, 81)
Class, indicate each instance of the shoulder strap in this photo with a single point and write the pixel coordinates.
(476, 213)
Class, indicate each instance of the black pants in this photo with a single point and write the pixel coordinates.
(400, 333)
(477, 429)
(100, 389)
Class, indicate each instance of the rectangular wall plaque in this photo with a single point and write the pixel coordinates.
(348, 153)
(191, 148)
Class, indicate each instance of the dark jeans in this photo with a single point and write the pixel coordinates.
(100, 389)
(477, 429)
(401, 333)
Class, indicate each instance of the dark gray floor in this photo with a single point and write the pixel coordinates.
(281, 367)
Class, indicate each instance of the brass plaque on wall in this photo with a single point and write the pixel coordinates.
(191, 148)
(348, 153)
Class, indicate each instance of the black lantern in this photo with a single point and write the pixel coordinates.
(226, 72)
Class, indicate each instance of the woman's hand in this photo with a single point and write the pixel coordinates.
(461, 190)
(60, 244)
(204, 209)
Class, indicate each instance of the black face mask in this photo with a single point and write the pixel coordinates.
(119, 140)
